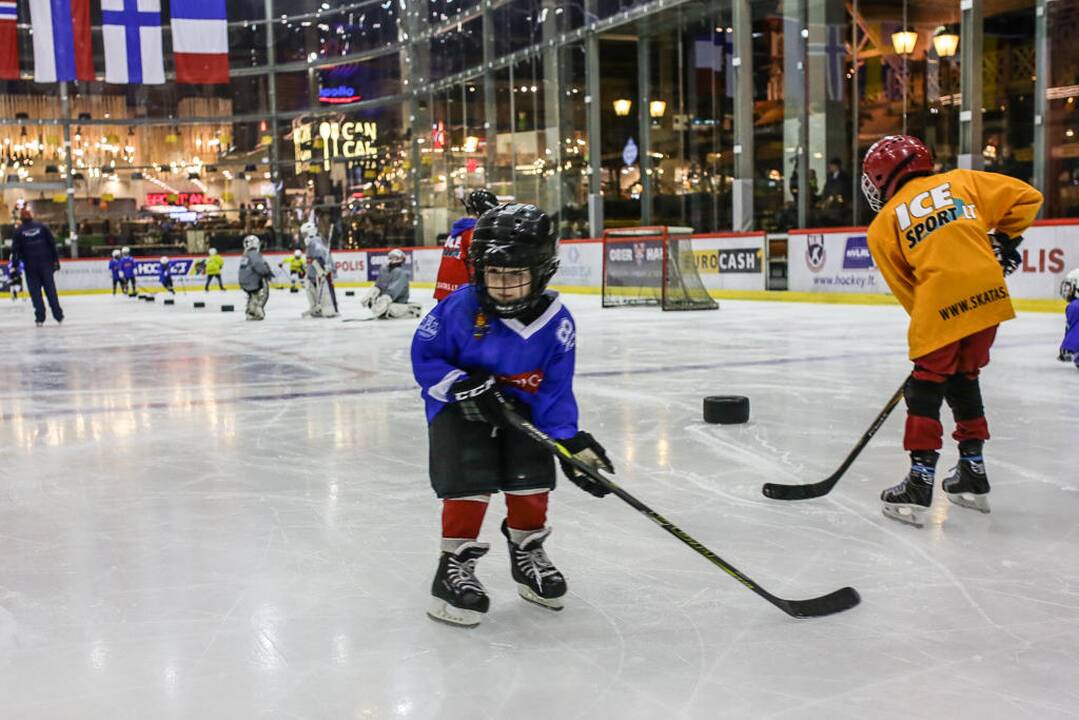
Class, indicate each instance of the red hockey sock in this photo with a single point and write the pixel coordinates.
(922, 433)
(462, 518)
(973, 429)
(526, 512)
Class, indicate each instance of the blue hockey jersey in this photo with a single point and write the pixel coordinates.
(127, 266)
(114, 268)
(533, 363)
(1071, 331)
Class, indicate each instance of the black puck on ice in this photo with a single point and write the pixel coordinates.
(726, 409)
(199, 305)
(228, 308)
(350, 293)
(149, 298)
(170, 301)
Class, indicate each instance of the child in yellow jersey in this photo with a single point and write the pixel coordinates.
(931, 240)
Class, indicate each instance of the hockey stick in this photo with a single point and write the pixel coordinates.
(817, 489)
(834, 602)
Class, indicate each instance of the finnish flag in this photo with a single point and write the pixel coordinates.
(132, 33)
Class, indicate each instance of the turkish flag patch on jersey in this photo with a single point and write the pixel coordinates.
(527, 381)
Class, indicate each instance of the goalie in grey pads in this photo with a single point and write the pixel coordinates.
(318, 277)
(255, 274)
(389, 296)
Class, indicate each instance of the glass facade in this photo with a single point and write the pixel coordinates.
(380, 116)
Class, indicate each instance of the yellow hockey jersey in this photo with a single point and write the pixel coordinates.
(931, 243)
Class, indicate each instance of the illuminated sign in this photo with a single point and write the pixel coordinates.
(179, 199)
(338, 95)
(346, 140)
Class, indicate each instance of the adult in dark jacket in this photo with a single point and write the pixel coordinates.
(35, 246)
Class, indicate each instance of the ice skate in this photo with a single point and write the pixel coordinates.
(458, 597)
(909, 501)
(968, 486)
(538, 580)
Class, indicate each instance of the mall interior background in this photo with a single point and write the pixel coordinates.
(380, 115)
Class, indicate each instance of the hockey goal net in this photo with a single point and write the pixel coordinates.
(652, 266)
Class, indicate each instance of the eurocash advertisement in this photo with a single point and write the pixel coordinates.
(731, 262)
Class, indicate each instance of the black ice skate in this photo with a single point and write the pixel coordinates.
(968, 486)
(538, 580)
(908, 501)
(458, 597)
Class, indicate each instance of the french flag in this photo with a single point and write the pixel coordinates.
(132, 33)
(200, 41)
(9, 41)
(62, 49)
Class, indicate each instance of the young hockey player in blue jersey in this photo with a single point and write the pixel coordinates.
(117, 274)
(14, 276)
(501, 341)
(1069, 290)
(127, 267)
(164, 274)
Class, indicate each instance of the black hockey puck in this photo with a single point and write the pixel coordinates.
(726, 409)
(149, 298)
(199, 305)
(170, 301)
(228, 308)
(350, 293)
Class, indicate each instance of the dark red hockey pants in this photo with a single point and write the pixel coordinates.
(948, 373)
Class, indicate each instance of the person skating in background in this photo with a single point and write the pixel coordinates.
(453, 269)
(34, 246)
(255, 274)
(318, 275)
(117, 273)
(164, 274)
(214, 265)
(14, 275)
(1069, 290)
(388, 298)
(931, 241)
(295, 264)
(127, 271)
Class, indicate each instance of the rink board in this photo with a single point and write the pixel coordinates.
(832, 262)
(838, 261)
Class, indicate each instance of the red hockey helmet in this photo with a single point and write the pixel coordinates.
(889, 162)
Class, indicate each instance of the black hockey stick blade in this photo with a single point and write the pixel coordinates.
(777, 491)
(800, 492)
(830, 604)
(838, 601)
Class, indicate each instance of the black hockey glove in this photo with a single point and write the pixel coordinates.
(584, 447)
(479, 399)
(1005, 248)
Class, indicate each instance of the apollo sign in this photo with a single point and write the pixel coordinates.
(344, 140)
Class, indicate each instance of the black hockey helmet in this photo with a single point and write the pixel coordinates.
(480, 201)
(513, 236)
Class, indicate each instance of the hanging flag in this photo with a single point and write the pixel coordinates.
(716, 54)
(62, 49)
(9, 41)
(132, 33)
(200, 40)
(837, 63)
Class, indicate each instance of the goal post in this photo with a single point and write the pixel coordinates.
(653, 265)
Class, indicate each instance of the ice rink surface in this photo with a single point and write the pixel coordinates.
(207, 518)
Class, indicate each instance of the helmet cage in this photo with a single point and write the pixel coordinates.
(493, 254)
